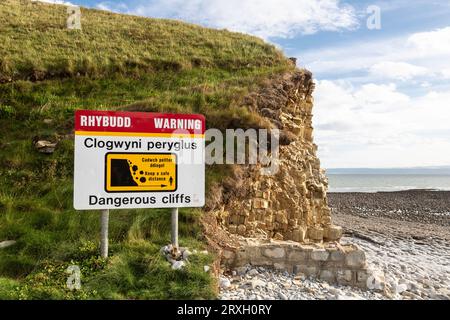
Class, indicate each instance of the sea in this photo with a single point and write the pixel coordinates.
(377, 180)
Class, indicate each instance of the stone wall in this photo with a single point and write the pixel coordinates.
(292, 204)
(334, 263)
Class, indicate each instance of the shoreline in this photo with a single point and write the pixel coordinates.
(423, 207)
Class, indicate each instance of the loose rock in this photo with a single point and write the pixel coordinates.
(45, 146)
(7, 243)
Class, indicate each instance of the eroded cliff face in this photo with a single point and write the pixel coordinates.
(291, 204)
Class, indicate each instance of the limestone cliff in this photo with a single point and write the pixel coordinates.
(292, 204)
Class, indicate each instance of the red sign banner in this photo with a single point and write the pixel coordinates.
(138, 122)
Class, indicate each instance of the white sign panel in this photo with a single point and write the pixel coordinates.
(129, 160)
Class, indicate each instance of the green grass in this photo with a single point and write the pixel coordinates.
(38, 45)
(116, 62)
(48, 242)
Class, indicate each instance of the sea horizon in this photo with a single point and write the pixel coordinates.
(388, 182)
(427, 170)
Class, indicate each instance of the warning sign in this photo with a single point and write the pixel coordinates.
(129, 160)
(127, 172)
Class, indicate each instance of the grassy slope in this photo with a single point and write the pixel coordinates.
(115, 62)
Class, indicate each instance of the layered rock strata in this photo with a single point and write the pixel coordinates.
(291, 204)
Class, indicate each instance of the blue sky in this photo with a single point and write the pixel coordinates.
(383, 95)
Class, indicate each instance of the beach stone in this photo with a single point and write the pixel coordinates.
(169, 250)
(186, 254)
(240, 270)
(441, 294)
(282, 296)
(350, 297)
(376, 281)
(415, 287)
(411, 295)
(399, 288)
(258, 284)
(344, 297)
(177, 265)
(252, 272)
(300, 276)
(224, 283)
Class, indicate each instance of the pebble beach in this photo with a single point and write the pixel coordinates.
(406, 238)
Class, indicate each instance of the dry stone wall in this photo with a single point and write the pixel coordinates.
(334, 263)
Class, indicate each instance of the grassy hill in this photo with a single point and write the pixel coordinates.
(116, 62)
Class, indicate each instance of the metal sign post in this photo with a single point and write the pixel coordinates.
(104, 242)
(174, 233)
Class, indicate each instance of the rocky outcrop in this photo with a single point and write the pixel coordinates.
(291, 204)
(282, 221)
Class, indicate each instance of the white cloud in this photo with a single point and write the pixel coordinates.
(113, 6)
(379, 97)
(378, 126)
(431, 43)
(390, 106)
(446, 73)
(408, 57)
(264, 18)
(397, 70)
